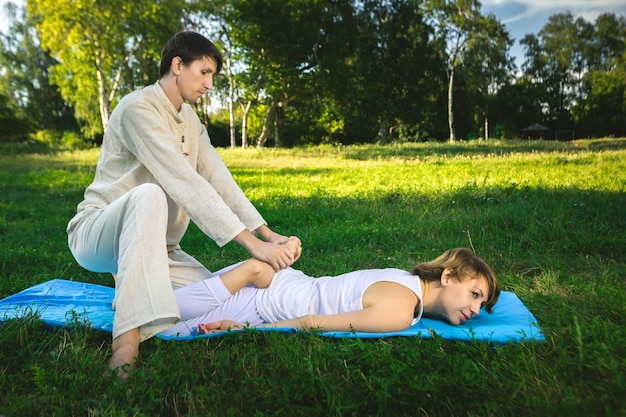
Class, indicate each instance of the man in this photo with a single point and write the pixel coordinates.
(157, 170)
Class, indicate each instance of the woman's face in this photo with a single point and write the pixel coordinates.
(459, 301)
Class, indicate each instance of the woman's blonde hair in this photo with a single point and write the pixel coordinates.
(464, 265)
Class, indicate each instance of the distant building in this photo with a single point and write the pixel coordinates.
(536, 131)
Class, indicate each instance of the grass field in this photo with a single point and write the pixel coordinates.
(550, 217)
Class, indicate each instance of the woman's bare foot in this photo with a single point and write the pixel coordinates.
(125, 349)
(295, 245)
(256, 272)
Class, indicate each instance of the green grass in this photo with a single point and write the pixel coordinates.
(549, 216)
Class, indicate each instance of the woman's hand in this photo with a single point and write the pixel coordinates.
(219, 326)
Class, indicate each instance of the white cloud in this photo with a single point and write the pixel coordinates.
(526, 9)
(522, 17)
(4, 22)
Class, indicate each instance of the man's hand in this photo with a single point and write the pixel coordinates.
(272, 237)
(280, 251)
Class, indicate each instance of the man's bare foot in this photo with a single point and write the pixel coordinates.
(125, 349)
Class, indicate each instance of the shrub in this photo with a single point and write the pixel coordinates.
(61, 140)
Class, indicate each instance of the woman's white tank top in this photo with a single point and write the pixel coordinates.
(293, 294)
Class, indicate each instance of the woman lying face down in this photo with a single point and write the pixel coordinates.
(452, 288)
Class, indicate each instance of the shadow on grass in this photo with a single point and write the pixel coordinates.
(478, 148)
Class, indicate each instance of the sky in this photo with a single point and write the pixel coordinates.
(4, 24)
(521, 17)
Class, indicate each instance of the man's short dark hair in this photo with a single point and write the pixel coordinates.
(189, 46)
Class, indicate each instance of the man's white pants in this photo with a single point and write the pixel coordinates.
(128, 238)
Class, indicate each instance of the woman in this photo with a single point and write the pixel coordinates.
(453, 288)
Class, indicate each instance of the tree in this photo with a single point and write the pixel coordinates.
(27, 85)
(601, 111)
(554, 61)
(96, 42)
(578, 68)
(274, 41)
(515, 107)
(208, 16)
(393, 73)
(489, 63)
(13, 126)
(332, 70)
(455, 23)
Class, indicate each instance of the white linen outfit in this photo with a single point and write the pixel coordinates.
(291, 294)
(157, 170)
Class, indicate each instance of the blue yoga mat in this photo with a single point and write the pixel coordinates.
(64, 303)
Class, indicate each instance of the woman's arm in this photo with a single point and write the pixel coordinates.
(371, 320)
(388, 307)
(366, 320)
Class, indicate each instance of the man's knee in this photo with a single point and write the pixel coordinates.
(150, 192)
(150, 196)
(146, 206)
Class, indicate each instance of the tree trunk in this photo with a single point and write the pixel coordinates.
(231, 99)
(266, 125)
(451, 105)
(486, 128)
(120, 70)
(103, 97)
(244, 123)
(277, 138)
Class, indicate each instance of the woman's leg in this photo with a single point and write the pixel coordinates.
(240, 306)
(206, 295)
(200, 297)
(253, 272)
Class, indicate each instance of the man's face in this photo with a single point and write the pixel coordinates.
(195, 78)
